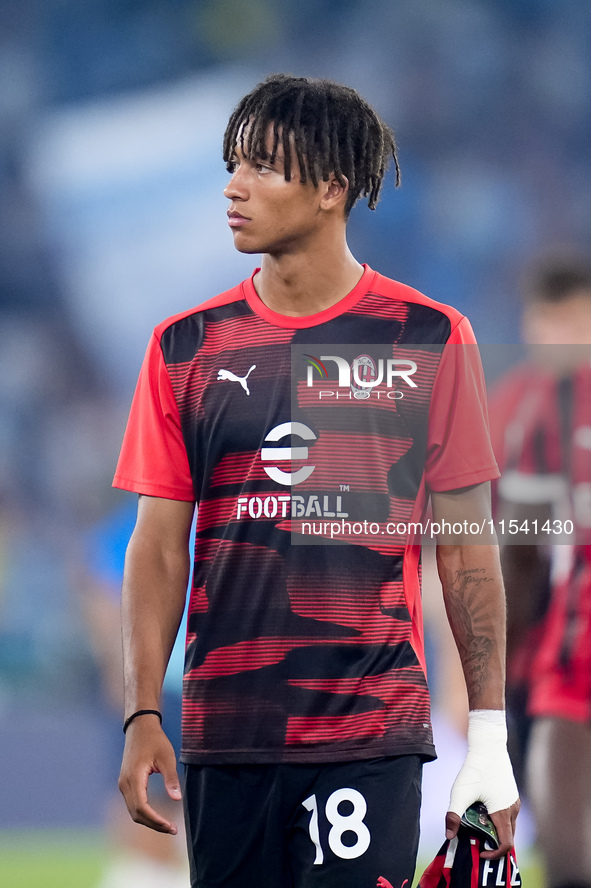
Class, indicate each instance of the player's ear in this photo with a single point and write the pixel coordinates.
(334, 192)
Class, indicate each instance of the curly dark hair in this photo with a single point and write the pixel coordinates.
(332, 128)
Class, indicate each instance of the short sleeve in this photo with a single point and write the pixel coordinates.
(153, 458)
(459, 450)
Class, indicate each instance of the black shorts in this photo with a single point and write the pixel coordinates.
(338, 825)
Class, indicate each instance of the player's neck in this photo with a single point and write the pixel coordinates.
(304, 283)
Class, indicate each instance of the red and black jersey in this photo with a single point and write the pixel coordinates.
(541, 432)
(309, 444)
(542, 423)
(458, 864)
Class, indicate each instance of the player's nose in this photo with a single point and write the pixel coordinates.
(237, 187)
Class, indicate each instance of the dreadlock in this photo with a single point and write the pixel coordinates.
(330, 127)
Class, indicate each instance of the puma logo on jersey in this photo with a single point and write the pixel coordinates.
(227, 374)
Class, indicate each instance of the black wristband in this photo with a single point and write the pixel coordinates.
(129, 720)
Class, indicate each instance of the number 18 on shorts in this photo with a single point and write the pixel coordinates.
(353, 824)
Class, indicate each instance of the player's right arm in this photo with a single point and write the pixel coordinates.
(155, 582)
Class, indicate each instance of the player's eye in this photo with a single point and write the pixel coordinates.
(232, 166)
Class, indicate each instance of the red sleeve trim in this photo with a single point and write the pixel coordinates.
(455, 482)
(148, 489)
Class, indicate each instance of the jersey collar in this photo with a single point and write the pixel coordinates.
(299, 321)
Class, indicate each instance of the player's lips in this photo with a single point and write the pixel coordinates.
(236, 220)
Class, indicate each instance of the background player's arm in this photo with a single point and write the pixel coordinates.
(474, 598)
(155, 581)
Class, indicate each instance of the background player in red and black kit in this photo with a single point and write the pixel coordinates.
(316, 393)
(541, 422)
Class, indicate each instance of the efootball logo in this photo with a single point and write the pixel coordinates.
(287, 453)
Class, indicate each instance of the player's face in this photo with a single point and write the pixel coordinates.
(268, 214)
(566, 323)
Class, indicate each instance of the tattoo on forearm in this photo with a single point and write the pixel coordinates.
(472, 624)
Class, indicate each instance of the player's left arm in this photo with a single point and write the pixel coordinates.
(470, 573)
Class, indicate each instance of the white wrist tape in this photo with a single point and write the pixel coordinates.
(486, 775)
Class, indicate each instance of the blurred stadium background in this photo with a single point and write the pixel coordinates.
(112, 218)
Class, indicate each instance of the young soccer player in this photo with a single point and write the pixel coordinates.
(309, 412)
(543, 409)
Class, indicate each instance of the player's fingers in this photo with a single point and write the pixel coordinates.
(147, 816)
(134, 788)
(166, 765)
(142, 812)
(504, 824)
(452, 825)
(135, 793)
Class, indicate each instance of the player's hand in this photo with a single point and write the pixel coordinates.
(492, 783)
(486, 776)
(147, 751)
(504, 822)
